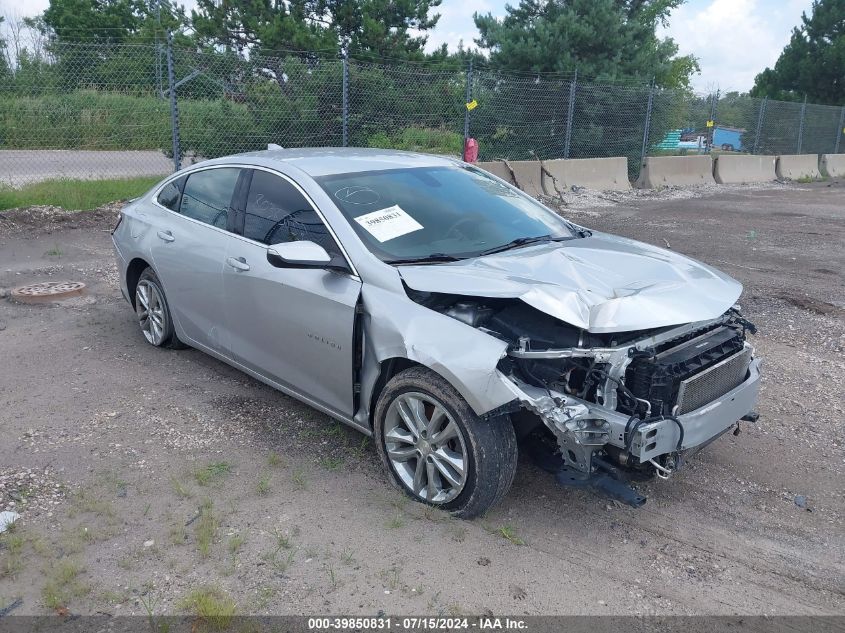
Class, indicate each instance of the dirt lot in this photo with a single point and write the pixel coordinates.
(143, 475)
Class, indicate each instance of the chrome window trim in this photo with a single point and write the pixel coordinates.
(354, 274)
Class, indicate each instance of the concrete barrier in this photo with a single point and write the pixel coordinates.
(833, 165)
(601, 174)
(796, 166)
(497, 168)
(675, 171)
(740, 168)
(528, 176)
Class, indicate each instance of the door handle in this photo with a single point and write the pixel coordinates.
(238, 263)
(167, 236)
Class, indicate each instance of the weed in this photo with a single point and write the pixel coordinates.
(509, 533)
(236, 542)
(299, 479)
(265, 593)
(263, 486)
(213, 607)
(335, 430)
(332, 576)
(181, 490)
(398, 521)
(346, 558)
(56, 251)
(86, 502)
(331, 463)
(205, 528)
(274, 460)
(13, 543)
(212, 472)
(63, 584)
(362, 449)
(178, 533)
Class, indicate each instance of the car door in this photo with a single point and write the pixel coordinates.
(189, 253)
(293, 326)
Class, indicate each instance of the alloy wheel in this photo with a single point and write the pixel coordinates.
(425, 447)
(149, 307)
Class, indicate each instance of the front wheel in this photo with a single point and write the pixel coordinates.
(437, 450)
(153, 312)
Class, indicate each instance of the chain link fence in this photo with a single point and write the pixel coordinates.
(85, 111)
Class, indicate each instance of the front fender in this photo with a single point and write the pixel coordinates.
(396, 327)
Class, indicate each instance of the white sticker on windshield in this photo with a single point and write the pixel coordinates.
(387, 224)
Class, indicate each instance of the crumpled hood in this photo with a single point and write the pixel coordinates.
(601, 283)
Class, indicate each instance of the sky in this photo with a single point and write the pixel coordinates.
(732, 39)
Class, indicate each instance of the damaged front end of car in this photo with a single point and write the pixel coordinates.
(601, 410)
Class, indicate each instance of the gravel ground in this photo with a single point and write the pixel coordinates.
(142, 475)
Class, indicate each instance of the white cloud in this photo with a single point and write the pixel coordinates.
(734, 39)
(456, 22)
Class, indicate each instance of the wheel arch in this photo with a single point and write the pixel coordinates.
(133, 274)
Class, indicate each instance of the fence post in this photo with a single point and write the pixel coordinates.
(345, 99)
(801, 126)
(647, 123)
(467, 100)
(714, 100)
(570, 114)
(759, 125)
(174, 106)
(840, 130)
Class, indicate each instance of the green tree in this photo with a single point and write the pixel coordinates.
(378, 28)
(812, 63)
(602, 39)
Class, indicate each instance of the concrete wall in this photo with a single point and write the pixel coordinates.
(675, 171)
(795, 166)
(737, 169)
(602, 174)
(497, 168)
(833, 165)
(527, 175)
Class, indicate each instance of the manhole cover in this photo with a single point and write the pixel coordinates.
(47, 291)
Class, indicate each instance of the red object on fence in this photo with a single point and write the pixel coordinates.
(471, 150)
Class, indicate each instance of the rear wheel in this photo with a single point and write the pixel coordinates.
(153, 312)
(437, 450)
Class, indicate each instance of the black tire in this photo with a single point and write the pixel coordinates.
(168, 337)
(491, 449)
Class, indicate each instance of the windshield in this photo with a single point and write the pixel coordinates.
(445, 212)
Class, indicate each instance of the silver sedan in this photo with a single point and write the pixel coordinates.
(444, 312)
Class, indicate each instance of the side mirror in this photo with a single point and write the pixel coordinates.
(302, 254)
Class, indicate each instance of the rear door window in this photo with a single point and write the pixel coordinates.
(169, 195)
(207, 195)
(276, 212)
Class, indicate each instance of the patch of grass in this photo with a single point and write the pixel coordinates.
(263, 485)
(274, 460)
(78, 195)
(63, 584)
(205, 528)
(212, 472)
(213, 607)
(331, 463)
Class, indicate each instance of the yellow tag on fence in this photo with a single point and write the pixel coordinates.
(710, 124)
(472, 105)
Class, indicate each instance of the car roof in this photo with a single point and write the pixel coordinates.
(324, 161)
